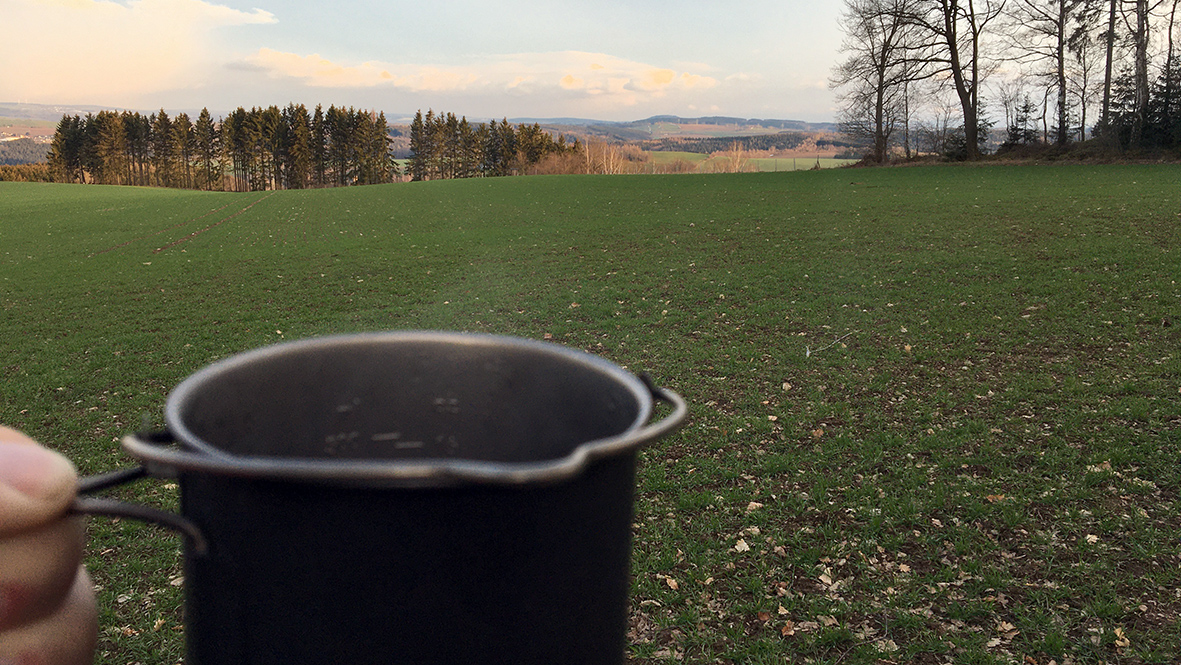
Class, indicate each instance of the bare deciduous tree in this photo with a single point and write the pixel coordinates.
(961, 28)
(1041, 36)
(884, 57)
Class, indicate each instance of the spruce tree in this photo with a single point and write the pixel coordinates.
(184, 145)
(163, 153)
(110, 149)
(319, 148)
(208, 149)
(298, 166)
(65, 151)
(389, 168)
(418, 148)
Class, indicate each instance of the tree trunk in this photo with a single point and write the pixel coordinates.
(1170, 104)
(1063, 136)
(906, 118)
(879, 126)
(965, 91)
(1105, 114)
(1140, 115)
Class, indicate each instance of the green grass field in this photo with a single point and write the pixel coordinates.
(798, 163)
(936, 412)
(762, 164)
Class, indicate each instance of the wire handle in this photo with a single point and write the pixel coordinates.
(89, 505)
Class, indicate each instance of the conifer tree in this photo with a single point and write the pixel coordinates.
(389, 168)
(88, 150)
(183, 144)
(338, 128)
(65, 151)
(319, 148)
(111, 148)
(162, 148)
(256, 151)
(138, 129)
(298, 166)
(207, 147)
(236, 149)
(469, 159)
(418, 148)
(273, 147)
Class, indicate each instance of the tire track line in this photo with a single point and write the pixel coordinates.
(194, 234)
(152, 235)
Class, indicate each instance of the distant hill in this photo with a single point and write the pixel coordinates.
(671, 126)
(716, 121)
(726, 121)
(52, 112)
(661, 129)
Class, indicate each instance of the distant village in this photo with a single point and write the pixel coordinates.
(37, 134)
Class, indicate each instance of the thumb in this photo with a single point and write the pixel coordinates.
(36, 484)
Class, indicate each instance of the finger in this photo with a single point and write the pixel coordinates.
(37, 568)
(36, 484)
(66, 637)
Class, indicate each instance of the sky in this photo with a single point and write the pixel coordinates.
(599, 59)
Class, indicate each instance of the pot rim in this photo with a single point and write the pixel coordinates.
(197, 455)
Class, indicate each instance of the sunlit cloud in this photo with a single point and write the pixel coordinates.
(102, 49)
(594, 75)
(185, 54)
(317, 71)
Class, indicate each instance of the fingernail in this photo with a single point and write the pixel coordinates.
(32, 470)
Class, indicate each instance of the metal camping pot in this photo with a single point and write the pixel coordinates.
(405, 497)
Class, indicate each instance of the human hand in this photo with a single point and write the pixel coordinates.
(47, 608)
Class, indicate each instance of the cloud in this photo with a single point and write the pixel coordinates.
(317, 71)
(593, 75)
(93, 50)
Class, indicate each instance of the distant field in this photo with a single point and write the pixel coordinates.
(798, 163)
(670, 130)
(662, 157)
(936, 412)
(758, 163)
(26, 122)
(22, 126)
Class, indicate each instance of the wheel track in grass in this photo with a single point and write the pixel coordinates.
(151, 235)
(194, 234)
(177, 226)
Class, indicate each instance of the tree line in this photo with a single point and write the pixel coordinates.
(253, 150)
(38, 172)
(443, 146)
(935, 71)
(21, 151)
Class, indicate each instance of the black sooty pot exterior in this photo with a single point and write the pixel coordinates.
(415, 497)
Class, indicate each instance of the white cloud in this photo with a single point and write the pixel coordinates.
(592, 75)
(317, 71)
(89, 51)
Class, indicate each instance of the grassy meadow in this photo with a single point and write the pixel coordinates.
(798, 163)
(935, 412)
(706, 164)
